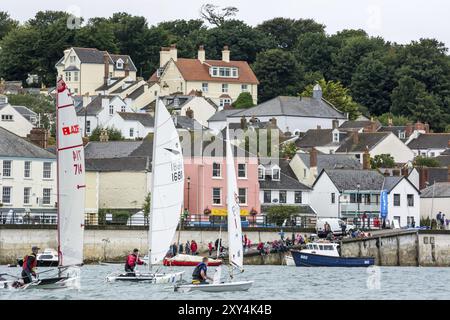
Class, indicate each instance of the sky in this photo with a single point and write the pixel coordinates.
(396, 20)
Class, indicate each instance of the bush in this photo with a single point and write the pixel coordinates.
(113, 134)
(426, 162)
(244, 100)
(277, 214)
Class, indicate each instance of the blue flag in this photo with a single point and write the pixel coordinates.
(384, 204)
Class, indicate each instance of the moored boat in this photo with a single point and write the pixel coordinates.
(323, 254)
(48, 258)
(186, 260)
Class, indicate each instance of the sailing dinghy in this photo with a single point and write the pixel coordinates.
(235, 248)
(70, 196)
(166, 199)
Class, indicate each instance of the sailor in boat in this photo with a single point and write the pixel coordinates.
(29, 265)
(199, 275)
(131, 262)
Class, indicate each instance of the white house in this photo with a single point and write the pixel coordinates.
(435, 198)
(12, 120)
(99, 110)
(403, 201)
(27, 176)
(294, 114)
(132, 125)
(429, 144)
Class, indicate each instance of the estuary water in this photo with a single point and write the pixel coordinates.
(271, 282)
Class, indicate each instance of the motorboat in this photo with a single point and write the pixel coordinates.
(48, 258)
(326, 254)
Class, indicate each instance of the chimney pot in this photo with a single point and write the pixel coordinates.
(106, 63)
(226, 54)
(335, 123)
(39, 137)
(317, 92)
(243, 123)
(201, 56)
(366, 159)
(404, 172)
(313, 158)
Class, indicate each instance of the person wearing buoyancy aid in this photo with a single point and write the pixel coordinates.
(132, 261)
(199, 275)
(29, 265)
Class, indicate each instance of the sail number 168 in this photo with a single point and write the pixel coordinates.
(177, 175)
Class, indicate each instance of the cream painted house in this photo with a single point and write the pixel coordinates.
(86, 69)
(220, 80)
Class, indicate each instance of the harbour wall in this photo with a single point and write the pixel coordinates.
(113, 244)
(403, 248)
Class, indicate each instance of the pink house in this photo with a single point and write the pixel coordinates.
(205, 186)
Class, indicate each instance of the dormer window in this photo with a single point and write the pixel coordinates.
(402, 135)
(111, 110)
(159, 72)
(224, 72)
(119, 64)
(176, 102)
(261, 172)
(276, 173)
(335, 134)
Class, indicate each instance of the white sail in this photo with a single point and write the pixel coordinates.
(71, 180)
(235, 249)
(167, 185)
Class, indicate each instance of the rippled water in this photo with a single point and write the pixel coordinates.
(271, 282)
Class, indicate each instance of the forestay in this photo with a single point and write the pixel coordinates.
(167, 185)
(70, 180)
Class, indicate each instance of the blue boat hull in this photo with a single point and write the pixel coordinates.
(314, 260)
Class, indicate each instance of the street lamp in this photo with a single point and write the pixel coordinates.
(189, 188)
(358, 186)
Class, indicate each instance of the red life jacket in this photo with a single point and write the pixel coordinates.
(25, 263)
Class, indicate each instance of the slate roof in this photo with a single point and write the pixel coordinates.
(94, 107)
(368, 139)
(294, 107)
(112, 84)
(391, 181)
(332, 161)
(430, 141)
(194, 70)
(356, 124)
(348, 179)
(71, 68)
(302, 208)
(12, 145)
(93, 55)
(184, 122)
(110, 149)
(121, 89)
(223, 114)
(118, 164)
(444, 158)
(25, 112)
(288, 180)
(137, 92)
(441, 190)
(318, 138)
(144, 118)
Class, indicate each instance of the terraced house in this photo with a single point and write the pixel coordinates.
(221, 80)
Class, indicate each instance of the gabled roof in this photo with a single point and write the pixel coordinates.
(184, 122)
(332, 161)
(95, 106)
(444, 158)
(438, 190)
(194, 70)
(319, 138)
(359, 124)
(288, 180)
(391, 182)
(144, 118)
(124, 58)
(430, 141)
(223, 114)
(294, 107)
(118, 164)
(14, 146)
(113, 81)
(137, 92)
(367, 139)
(110, 149)
(95, 56)
(345, 179)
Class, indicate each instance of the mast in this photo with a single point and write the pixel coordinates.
(60, 257)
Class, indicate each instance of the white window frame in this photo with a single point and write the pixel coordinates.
(214, 197)
(46, 195)
(214, 170)
(46, 172)
(123, 109)
(262, 170)
(296, 192)
(276, 168)
(205, 86)
(280, 192)
(119, 64)
(5, 188)
(245, 171)
(111, 110)
(245, 196)
(224, 87)
(225, 101)
(7, 170)
(399, 200)
(244, 87)
(68, 76)
(75, 76)
(7, 117)
(410, 196)
(27, 170)
(264, 196)
(88, 126)
(72, 59)
(26, 195)
(131, 133)
(335, 136)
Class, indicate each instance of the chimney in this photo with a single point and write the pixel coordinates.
(173, 52)
(243, 123)
(335, 124)
(386, 173)
(419, 126)
(423, 177)
(317, 92)
(405, 172)
(427, 128)
(126, 66)
(390, 122)
(313, 157)
(396, 173)
(355, 137)
(273, 122)
(190, 113)
(106, 63)
(225, 54)
(408, 129)
(201, 56)
(39, 137)
(164, 56)
(86, 99)
(366, 159)
(104, 135)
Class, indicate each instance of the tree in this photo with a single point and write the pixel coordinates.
(146, 204)
(336, 94)
(98, 33)
(113, 134)
(278, 214)
(35, 102)
(289, 150)
(212, 14)
(6, 24)
(313, 51)
(243, 101)
(396, 120)
(278, 73)
(420, 161)
(382, 161)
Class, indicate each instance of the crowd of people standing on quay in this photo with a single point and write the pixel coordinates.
(442, 221)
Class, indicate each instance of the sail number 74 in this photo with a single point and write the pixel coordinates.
(78, 167)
